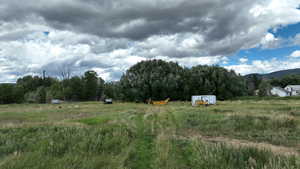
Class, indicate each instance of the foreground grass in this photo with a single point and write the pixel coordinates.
(120, 147)
(126, 135)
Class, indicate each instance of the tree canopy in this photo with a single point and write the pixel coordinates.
(157, 79)
(152, 79)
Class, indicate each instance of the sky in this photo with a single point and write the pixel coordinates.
(248, 36)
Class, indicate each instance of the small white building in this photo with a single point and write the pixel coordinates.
(278, 91)
(211, 99)
(290, 90)
(294, 90)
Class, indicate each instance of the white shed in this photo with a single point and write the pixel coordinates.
(278, 91)
(211, 99)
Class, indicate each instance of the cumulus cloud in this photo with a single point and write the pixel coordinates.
(244, 60)
(110, 36)
(296, 40)
(269, 41)
(265, 66)
(57, 51)
(194, 61)
(295, 54)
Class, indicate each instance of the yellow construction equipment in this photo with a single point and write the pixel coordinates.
(164, 102)
(201, 102)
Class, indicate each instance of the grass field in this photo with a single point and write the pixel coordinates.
(252, 134)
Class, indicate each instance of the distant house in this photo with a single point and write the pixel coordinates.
(278, 91)
(290, 90)
(294, 90)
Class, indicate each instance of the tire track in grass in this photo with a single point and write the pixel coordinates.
(141, 156)
(279, 150)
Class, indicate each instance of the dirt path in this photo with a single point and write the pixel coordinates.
(279, 150)
(35, 124)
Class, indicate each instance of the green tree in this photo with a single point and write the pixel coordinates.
(41, 94)
(18, 93)
(253, 82)
(113, 90)
(77, 87)
(154, 79)
(7, 93)
(286, 80)
(31, 97)
(264, 88)
(90, 79)
(55, 92)
(100, 88)
(215, 80)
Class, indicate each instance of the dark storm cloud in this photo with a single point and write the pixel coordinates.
(136, 19)
(112, 35)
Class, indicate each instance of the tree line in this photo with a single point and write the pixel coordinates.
(263, 85)
(155, 79)
(35, 89)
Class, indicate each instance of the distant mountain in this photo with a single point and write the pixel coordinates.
(278, 74)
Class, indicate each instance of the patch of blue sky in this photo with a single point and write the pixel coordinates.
(261, 54)
(46, 33)
(287, 31)
(258, 53)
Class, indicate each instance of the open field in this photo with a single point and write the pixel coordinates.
(262, 134)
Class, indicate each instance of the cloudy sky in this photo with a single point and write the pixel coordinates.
(109, 36)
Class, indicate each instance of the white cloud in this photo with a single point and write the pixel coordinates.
(265, 66)
(296, 39)
(243, 60)
(110, 36)
(61, 50)
(194, 61)
(295, 54)
(270, 41)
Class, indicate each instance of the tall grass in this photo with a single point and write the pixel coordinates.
(276, 130)
(119, 147)
(137, 136)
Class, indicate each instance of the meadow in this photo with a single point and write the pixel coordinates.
(247, 133)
